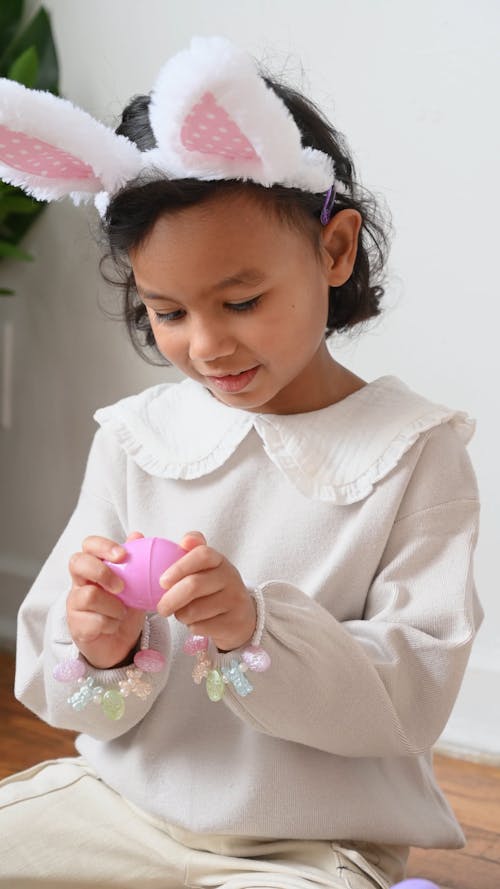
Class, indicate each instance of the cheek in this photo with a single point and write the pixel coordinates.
(168, 340)
(312, 314)
(300, 326)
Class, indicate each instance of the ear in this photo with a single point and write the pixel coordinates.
(214, 117)
(340, 246)
(51, 148)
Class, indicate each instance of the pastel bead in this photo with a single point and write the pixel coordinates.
(78, 702)
(256, 659)
(201, 669)
(84, 695)
(239, 681)
(113, 704)
(136, 684)
(215, 685)
(149, 661)
(69, 670)
(194, 644)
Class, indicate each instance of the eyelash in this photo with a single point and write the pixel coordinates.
(172, 317)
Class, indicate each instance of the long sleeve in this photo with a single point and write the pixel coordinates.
(43, 636)
(383, 685)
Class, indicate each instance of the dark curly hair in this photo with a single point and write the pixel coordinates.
(133, 211)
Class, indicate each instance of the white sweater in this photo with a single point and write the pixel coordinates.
(359, 521)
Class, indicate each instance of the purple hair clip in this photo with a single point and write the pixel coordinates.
(328, 205)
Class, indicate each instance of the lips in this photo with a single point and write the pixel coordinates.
(234, 382)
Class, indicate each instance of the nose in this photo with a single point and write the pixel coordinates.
(210, 340)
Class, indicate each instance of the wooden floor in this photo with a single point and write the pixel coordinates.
(472, 790)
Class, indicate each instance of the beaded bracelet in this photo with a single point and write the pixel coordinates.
(217, 676)
(111, 700)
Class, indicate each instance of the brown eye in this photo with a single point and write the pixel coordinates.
(244, 306)
(169, 316)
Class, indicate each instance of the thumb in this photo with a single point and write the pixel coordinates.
(192, 539)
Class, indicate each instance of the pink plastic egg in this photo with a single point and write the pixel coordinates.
(147, 559)
(415, 884)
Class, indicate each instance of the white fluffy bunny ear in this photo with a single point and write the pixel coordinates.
(51, 148)
(214, 117)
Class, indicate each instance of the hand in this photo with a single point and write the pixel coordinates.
(104, 629)
(206, 592)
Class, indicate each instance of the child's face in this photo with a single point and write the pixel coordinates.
(255, 344)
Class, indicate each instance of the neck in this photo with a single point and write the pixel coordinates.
(323, 383)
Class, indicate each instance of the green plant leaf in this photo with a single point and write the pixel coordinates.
(11, 251)
(11, 12)
(5, 188)
(37, 33)
(17, 204)
(5, 292)
(20, 205)
(25, 68)
(19, 223)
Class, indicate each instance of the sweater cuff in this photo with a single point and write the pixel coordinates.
(84, 698)
(225, 657)
(258, 595)
(151, 639)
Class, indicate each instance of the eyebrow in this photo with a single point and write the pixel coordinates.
(243, 277)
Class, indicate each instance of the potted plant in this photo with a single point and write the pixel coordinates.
(27, 55)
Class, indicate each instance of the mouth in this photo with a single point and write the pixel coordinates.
(234, 382)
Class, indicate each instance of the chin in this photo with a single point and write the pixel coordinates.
(246, 401)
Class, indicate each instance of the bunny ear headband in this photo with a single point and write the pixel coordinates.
(212, 115)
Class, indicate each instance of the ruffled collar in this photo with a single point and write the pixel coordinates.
(338, 453)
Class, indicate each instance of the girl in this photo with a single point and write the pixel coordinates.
(326, 594)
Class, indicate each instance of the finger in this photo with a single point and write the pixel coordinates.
(201, 558)
(87, 627)
(192, 539)
(217, 628)
(134, 535)
(92, 599)
(104, 548)
(85, 568)
(189, 589)
(202, 609)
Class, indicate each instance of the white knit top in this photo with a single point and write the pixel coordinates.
(358, 522)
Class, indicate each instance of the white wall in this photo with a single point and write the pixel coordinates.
(414, 88)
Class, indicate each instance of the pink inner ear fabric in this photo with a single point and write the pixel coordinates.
(209, 129)
(30, 155)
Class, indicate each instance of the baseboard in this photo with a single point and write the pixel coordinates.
(473, 729)
(467, 754)
(16, 576)
(7, 634)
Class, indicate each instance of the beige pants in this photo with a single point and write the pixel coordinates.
(61, 826)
